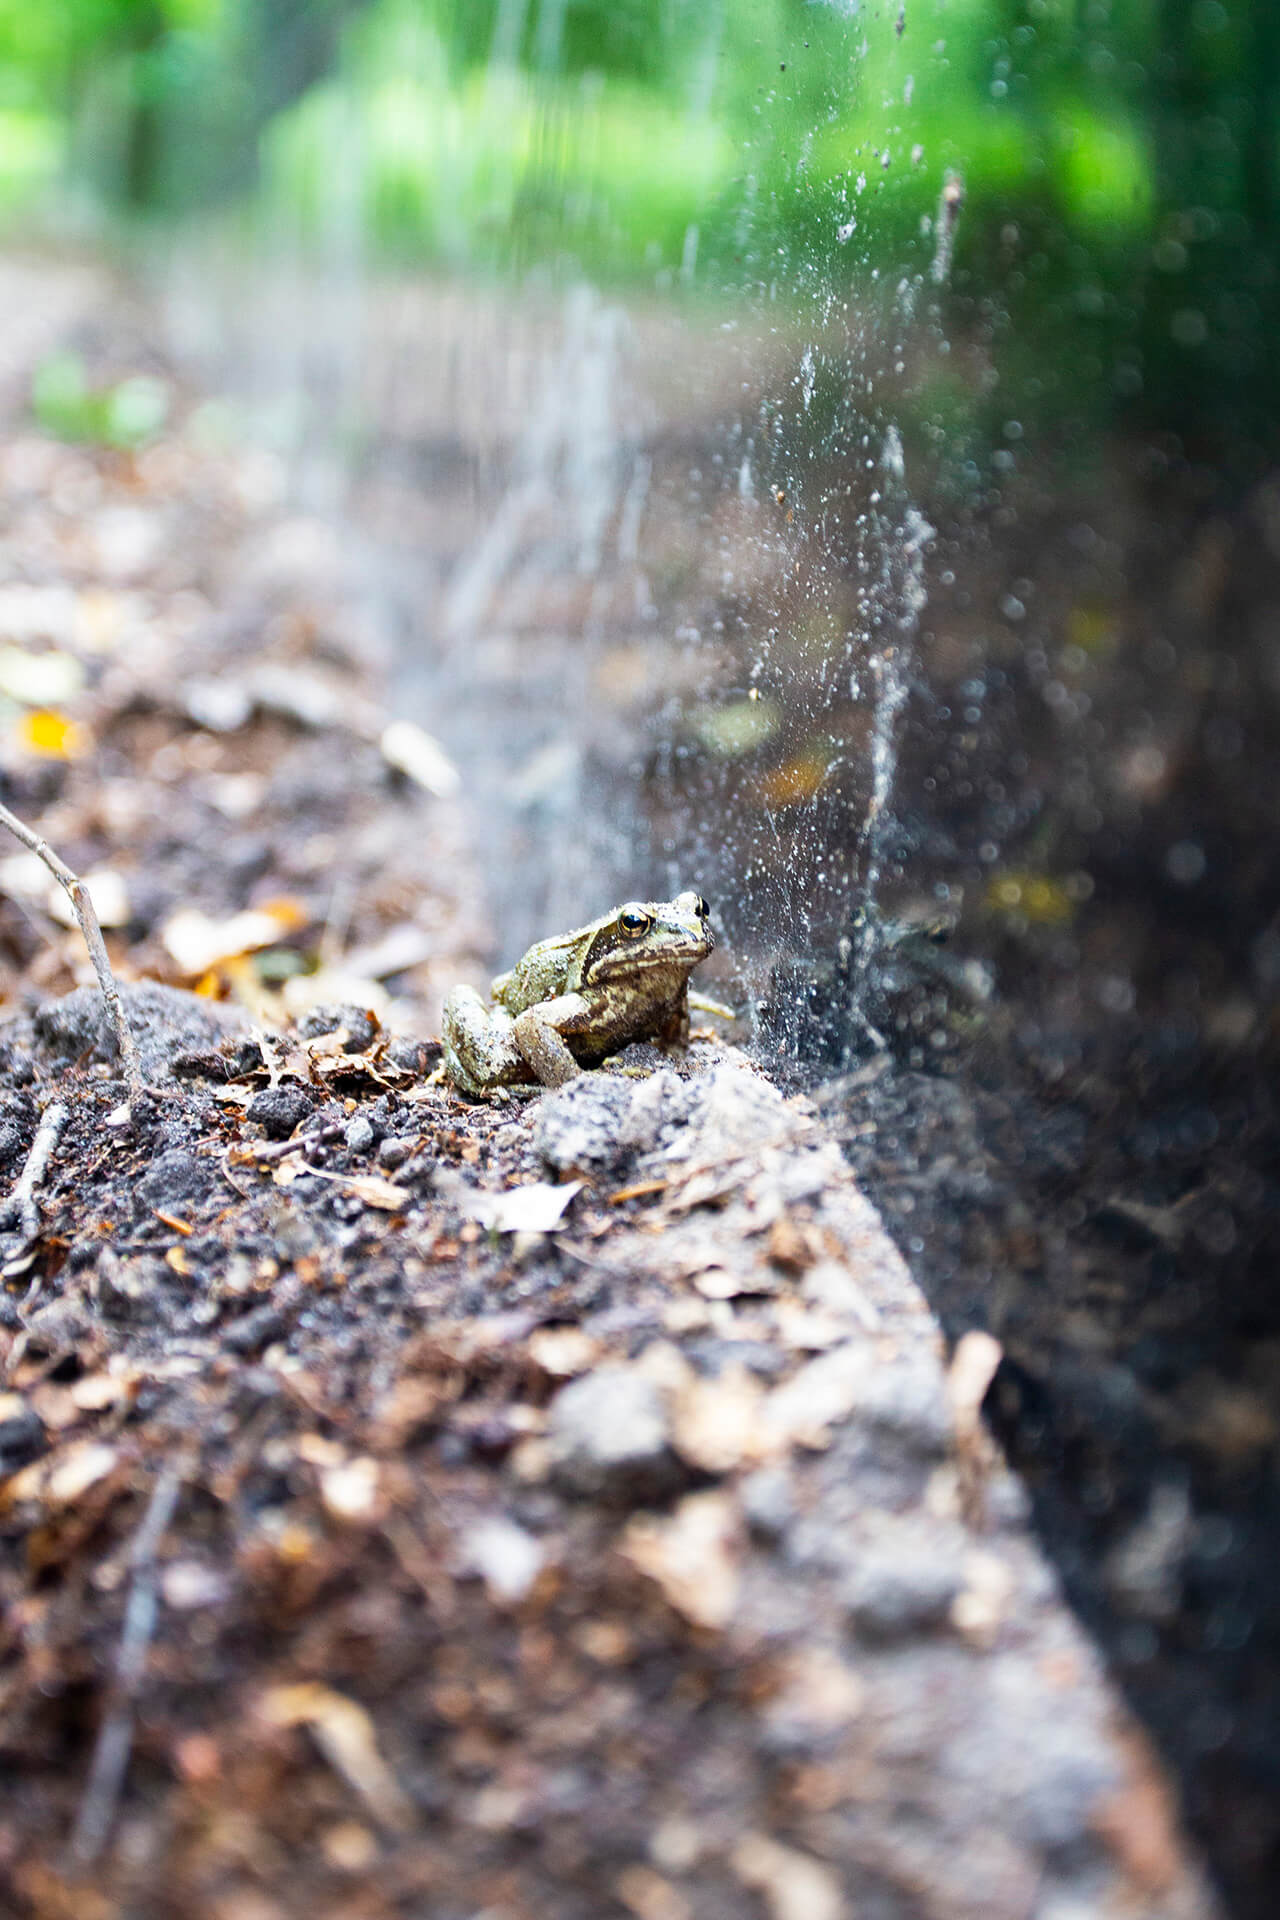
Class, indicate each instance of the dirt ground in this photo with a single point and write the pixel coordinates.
(558, 1507)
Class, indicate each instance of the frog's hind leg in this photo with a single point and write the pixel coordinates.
(480, 1047)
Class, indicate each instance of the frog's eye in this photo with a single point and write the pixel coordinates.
(634, 921)
(701, 908)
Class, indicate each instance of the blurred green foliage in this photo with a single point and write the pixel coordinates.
(1121, 158)
(125, 415)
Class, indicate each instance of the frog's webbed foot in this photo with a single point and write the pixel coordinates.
(480, 1046)
(542, 1046)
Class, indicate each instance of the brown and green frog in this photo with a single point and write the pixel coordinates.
(575, 999)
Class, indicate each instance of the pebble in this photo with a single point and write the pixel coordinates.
(361, 1134)
(173, 1179)
(22, 1434)
(256, 1330)
(506, 1558)
(767, 1502)
(395, 1151)
(908, 1399)
(608, 1433)
(580, 1125)
(360, 1026)
(127, 1288)
(278, 1110)
(17, 1126)
(902, 1583)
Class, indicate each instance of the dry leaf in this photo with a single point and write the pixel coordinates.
(716, 1423)
(348, 1740)
(406, 747)
(39, 679)
(795, 1885)
(51, 735)
(195, 942)
(350, 1489)
(334, 987)
(108, 892)
(538, 1207)
(693, 1556)
(369, 1187)
(562, 1351)
(804, 1409)
(973, 1367)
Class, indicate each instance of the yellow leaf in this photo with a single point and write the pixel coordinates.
(52, 735)
(797, 781)
(1043, 900)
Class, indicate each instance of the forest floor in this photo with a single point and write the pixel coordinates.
(555, 1507)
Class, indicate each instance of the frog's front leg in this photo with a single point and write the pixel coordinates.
(480, 1045)
(539, 1032)
(673, 1031)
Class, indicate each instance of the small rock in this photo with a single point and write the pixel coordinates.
(505, 1557)
(394, 1152)
(608, 1433)
(16, 1066)
(22, 1434)
(909, 1399)
(174, 1179)
(418, 1172)
(255, 1331)
(278, 1110)
(359, 1025)
(17, 1126)
(581, 1125)
(57, 1327)
(767, 1502)
(361, 1134)
(127, 1288)
(191, 1584)
(659, 1104)
(738, 1109)
(903, 1582)
(413, 1056)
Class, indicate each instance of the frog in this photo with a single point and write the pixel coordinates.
(573, 1000)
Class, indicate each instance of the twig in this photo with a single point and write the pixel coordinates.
(22, 1201)
(264, 1152)
(83, 907)
(115, 1735)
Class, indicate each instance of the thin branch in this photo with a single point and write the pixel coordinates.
(22, 1201)
(82, 905)
(115, 1735)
